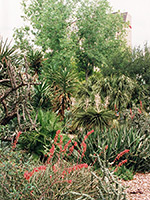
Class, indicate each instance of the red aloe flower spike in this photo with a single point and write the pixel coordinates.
(121, 154)
(75, 144)
(54, 169)
(56, 136)
(90, 132)
(87, 135)
(61, 139)
(139, 111)
(141, 105)
(130, 111)
(60, 143)
(71, 150)
(115, 169)
(83, 145)
(106, 147)
(16, 140)
(74, 168)
(52, 150)
(120, 164)
(28, 175)
(66, 146)
(132, 116)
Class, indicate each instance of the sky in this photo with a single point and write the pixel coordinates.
(10, 18)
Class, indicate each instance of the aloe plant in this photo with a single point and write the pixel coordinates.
(138, 144)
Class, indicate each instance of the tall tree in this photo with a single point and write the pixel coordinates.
(84, 30)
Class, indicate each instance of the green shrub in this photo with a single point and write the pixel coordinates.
(35, 141)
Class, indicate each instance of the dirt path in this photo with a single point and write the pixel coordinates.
(139, 187)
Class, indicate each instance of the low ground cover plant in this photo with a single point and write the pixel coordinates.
(57, 178)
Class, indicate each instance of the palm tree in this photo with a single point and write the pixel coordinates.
(121, 91)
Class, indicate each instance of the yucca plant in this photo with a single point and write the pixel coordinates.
(35, 59)
(63, 82)
(6, 53)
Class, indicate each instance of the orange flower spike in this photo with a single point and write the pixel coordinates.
(120, 164)
(61, 139)
(71, 150)
(139, 111)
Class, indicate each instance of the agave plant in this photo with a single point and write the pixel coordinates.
(92, 118)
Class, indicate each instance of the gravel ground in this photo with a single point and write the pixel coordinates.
(139, 187)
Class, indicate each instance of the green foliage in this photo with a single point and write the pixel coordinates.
(6, 52)
(92, 118)
(124, 173)
(138, 143)
(111, 92)
(96, 35)
(12, 167)
(139, 68)
(118, 63)
(35, 59)
(35, 141)
(121, 92)
(63, 82)
(21, 178)
(136, 118)
(66, 30)
(134, 64)
(41, 96)
(49, 123)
